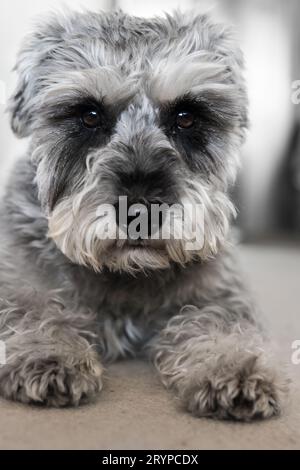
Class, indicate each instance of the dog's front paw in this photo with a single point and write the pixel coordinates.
(52, 381)
(241, 389)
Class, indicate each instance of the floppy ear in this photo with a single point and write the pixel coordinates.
(31, 68)
(19, 102)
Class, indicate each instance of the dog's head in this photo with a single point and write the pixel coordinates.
(153, 110)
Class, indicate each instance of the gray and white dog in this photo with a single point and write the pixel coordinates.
(154, 110)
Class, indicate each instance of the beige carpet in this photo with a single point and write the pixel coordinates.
(135, 412)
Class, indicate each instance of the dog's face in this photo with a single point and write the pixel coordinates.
(153, 110)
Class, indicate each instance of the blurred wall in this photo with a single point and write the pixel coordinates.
(266, 39)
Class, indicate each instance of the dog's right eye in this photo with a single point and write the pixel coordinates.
(185, 120)
(91, 118)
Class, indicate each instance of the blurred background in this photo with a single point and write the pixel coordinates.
(268, 190)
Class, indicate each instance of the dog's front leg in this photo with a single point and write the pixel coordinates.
(215, 360)
(50, 358)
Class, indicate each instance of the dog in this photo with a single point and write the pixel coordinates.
(155, 111)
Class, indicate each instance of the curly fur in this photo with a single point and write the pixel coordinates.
(69, 300)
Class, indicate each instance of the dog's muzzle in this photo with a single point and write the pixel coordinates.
(144, 214)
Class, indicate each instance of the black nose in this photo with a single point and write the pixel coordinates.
(139, 220)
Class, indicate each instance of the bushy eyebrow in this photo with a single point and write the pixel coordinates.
(103, 84)
(192, 74)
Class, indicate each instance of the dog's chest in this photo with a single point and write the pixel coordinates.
(130, 312)
(121, 337)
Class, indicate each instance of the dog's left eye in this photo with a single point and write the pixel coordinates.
(91, 118)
